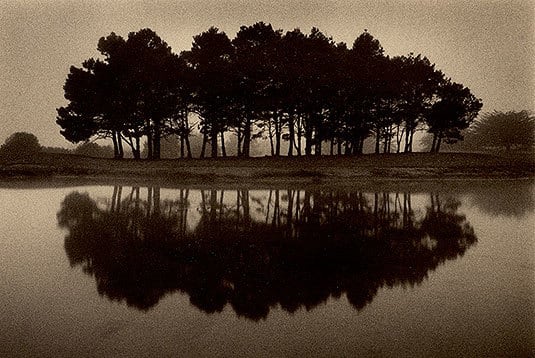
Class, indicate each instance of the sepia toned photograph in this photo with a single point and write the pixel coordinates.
(253, 178)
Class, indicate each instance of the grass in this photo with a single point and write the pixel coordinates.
(405, 166)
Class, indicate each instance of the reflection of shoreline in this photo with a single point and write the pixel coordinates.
(504, 199)
(368, 184)
(292, 248)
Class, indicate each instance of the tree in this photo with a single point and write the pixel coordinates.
(255, 63)
(84, 116)
(363, 91)
(291, 88)
(454, 111)
(503, 130)
(419, 82)
(318, 74)
(210, 61)
(154, 81)
(20, 145)
(137, 90)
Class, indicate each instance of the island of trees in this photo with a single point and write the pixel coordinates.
(305, 93)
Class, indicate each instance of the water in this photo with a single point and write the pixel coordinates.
(149, 271)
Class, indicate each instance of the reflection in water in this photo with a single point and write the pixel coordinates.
(290, 248)
(506, 199)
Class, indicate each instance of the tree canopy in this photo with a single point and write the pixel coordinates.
(299, 90)
(504, 130)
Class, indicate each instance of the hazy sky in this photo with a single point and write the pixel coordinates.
(486, 45)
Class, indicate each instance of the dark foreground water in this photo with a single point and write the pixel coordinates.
(137, 271)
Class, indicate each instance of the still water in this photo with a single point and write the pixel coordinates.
(149, 271)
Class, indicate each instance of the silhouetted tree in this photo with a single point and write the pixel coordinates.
(453, 112)
(210, 59)
(85, 116)
(292, 49)
(137, 90)
(419, 83)
(255, 62)
(154, 76)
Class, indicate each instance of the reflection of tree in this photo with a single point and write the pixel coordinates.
(506, 199)
(311, 245)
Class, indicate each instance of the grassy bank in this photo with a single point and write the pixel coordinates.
(409, 166)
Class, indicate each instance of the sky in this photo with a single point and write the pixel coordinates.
(488, 46)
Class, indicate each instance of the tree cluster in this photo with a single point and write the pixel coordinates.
(498, 132)
(304, 89)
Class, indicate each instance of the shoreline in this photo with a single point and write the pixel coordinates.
(367, 171)
(460, 185)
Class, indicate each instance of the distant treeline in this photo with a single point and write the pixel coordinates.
(305, 89)
(89, 149)
(24, 146)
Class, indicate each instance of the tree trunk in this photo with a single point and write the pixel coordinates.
(188, 147)
(137, 149)
(277, 135)
(203, 148)
(399, 138)
(239, 140)
(247, 138)
(156, 140)
(347, 148)
(120, 145)
(299, 134)
(387, 134)
(355, 147)
(433, 145)
(388, 146)
(223, 149)
(410, 141)
(437, 148)
(130, 141)
(360, 149)
(377, 140)
(270, 133)
(115, 146)
(308, 139)
(186, 134)
(149, 142)
(317, 145)
(291, 134)
(407, 137)
(213, 143)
